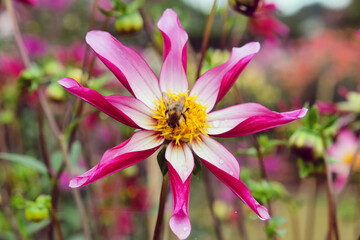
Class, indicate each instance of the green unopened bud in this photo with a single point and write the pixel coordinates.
(55, 92)
(44, 200)
(129, 23)
(36, 212)
(246, 7)
(307, 144)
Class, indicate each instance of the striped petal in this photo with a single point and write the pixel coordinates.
(181, 159)
(212, 86)
(211, 154)
(248, 118)
(180, 222)
(140, 146)
(173, 71)
(129, 111)
(127, 65)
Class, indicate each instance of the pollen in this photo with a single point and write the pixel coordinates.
(191, 123)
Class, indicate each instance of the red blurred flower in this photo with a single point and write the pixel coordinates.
(264, 23)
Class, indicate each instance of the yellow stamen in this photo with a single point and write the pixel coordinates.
(195, 124)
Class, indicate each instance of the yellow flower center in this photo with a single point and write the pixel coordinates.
(180, 117)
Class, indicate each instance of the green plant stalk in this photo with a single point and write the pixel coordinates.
(264, 176)
(65, 151)
(241, 220)
(206, 38)
(333, 227)
(210, 198)
(311, 213)
(224, 29)
(160, 217)
(16, 31)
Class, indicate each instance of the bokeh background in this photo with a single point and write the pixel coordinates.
(310, 56)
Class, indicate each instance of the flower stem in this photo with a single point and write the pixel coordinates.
(17, 35)
(65, 151)
(224, 29)
(160, 216)
(210, 197)
(264, 176)
(331, 203)
(241, 220)
(311, 213)
(206, 38)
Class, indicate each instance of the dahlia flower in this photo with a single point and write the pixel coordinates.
(147, 111)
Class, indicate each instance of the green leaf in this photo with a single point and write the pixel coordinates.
(272, 228)
(25, 160)
(304, 168)
(162, 161)
(311, 118)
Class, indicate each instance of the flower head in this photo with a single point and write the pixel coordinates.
(166, 112)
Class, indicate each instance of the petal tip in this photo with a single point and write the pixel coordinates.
(68, 82)
(77, 182)
(302, 112)
(263, 213)
(180, 225)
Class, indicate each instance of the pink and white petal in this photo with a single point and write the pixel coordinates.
(140, 146)
(216, 154)
(97, 100)
(212, 86)
(206, 150)
(127, 65)
(248, 118)
(135, 109)
(181, 158)
(180, 222)
(173, 71)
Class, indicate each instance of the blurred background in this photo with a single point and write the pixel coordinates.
(310, 56)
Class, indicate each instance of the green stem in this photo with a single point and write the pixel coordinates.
(224, 29)
(160, 216)
(17, 35)
(206, 38)
(264, 176)
(65, 151)
(241, 220)
(330, 196)
(210, 197)
(311, 213)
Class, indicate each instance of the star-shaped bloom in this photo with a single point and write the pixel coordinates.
(152, 108)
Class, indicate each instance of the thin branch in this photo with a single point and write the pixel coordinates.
(65, 151)
(210, 197)
(162, 201)
(206, 38)
(330, 195)
(16, 31)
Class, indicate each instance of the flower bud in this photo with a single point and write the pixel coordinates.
(129, 23)
(55, 92)
(307, 144)
(36, 212)
(246, 7)
(44, 200)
